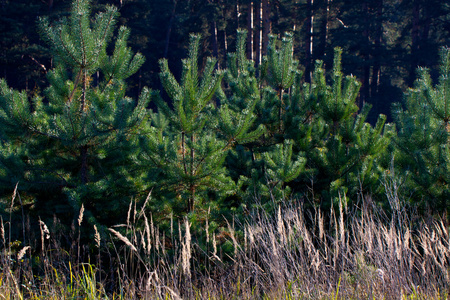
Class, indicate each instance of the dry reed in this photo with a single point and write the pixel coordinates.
(351, 253)
(123, 239)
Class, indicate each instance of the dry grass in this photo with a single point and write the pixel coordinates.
(350, 253)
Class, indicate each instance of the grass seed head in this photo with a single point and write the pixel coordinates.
(44, 230)
(80, 216)
(186, 250)
(97, 237)
(321, 230)
(14, 195)
(2, 231)
(123, 239)
(22, 252)
(147, 232)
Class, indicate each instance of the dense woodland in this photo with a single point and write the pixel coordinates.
(383, 41)
(219, 107)
(308, 140)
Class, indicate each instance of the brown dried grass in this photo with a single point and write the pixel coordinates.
(353, 253)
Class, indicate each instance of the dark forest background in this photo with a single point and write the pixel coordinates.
(383, 41)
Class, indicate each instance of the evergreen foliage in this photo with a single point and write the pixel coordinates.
(225, 140)
(186, 155)
(80, 136)
(347, 159)
(422, 145)
(252, 164)
(336, 150)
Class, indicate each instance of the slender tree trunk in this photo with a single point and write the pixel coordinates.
(169, 29)
(309, 40)
(83, 95)
(213, 34)
(84, 164)
(281, 110)
(84, 149)
(183, 151)
(250, 31)
(238, 14)
(365, 87)
(139, 83)
(275, 13)
(414, 42)
(376, 69)
(225, 44)
(324, 30)
(294, 26)
(258, 33)
(424, 35)
(425, 25)
(193, 186)
(266, 25)
(214, 40)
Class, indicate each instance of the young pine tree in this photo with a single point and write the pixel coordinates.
(182, 152)
(74, 143)
(262, 166)
(313, 130)
(423, 141)
(348, 157)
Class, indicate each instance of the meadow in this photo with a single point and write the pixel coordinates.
(352, 253)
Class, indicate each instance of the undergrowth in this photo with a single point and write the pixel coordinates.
(345, 253)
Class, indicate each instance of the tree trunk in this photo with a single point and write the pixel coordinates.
(426, 25)
(365, 86)
(424, 35)
(250, 31)
(225, 44)
(193, 172)
(169, 29)
(376, 69)
(414, 42)
(213, 35)
(238, 14)
(324, 30)
(294, 16)
(266, 25)
(83, 95)
(309, 40)
(214, 41)
(258, 33)
(84, 164)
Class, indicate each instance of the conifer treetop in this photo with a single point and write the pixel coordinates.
(77, 41)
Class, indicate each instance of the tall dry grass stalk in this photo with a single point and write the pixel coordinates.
(22, 252)
(97, 237)
(372, 258)
(80, 215)
(207, 225)
(129, 213)
(45, 234)
(123, 239)
(13, 197)
(353, 253)
(147, 233)
(2, 231)
(186, 253)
